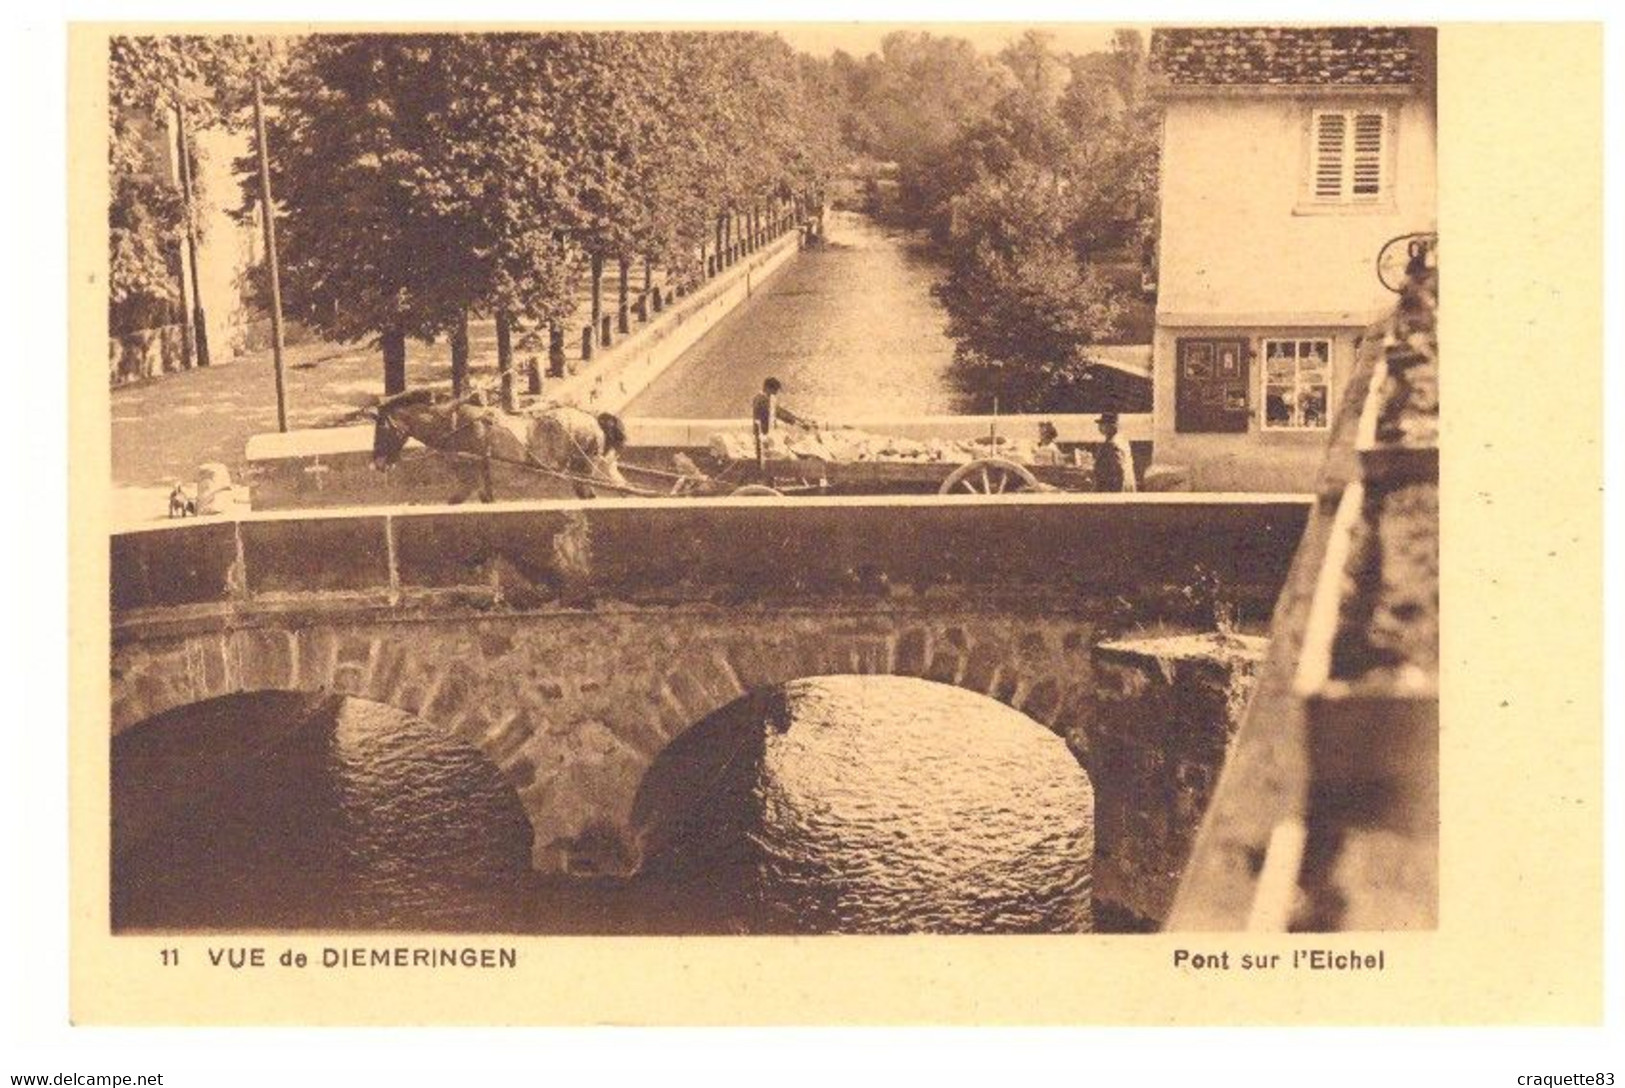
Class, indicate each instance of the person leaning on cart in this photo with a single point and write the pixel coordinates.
(1114, 461)
(767, 412)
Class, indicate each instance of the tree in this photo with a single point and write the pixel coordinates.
(1039, 71)
(149, 79)
(426, 178)
(502, 185)
(1022, 309)
(1032, 171)
(917, 97)
(418, 189)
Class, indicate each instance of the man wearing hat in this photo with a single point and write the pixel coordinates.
(1114, 461)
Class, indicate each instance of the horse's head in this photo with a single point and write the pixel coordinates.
(388, 439)
(391, 428)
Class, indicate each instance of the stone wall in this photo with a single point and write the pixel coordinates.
(1157, 734)
(146, 353)
(620, 373)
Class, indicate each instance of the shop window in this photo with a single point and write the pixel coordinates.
(1297, 385)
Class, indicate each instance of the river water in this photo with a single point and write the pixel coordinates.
(870, 804)
(850, 327)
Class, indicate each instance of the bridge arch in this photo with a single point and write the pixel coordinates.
(839, 803)
(566, 716)
(277, 809)
(1041, 669)
(160, 675)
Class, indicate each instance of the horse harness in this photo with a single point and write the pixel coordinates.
(486, 419)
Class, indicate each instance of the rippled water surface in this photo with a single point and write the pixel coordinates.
(886, 804)
(840, 804)
(850, 327)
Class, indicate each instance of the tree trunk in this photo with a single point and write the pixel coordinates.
(393, 343)
(556, 360)
(623, 317)
(510, 395)
(459, 355)
(648, 275)
(183, 159)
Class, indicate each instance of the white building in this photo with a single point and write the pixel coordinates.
(1290, 156)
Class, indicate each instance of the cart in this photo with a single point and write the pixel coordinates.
(704, 473)
(983, 475)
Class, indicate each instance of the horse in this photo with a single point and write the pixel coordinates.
(560, 439)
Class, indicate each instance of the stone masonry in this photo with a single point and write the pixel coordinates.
(532, 633)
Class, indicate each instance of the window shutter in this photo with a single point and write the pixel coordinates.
(1328, 165)
(1347, 162)
(1368, 140)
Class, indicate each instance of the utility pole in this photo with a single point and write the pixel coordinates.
(268, 220)
(200, 327)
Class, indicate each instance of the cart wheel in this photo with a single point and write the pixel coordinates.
(988, 476)
(755, 491)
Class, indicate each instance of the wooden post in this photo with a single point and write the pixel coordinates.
(268, 223)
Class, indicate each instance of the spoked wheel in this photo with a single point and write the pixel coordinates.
(989, 476)
(755, 491)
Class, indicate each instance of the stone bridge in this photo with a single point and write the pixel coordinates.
(571, 642)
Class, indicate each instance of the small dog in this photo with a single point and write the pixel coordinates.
(181, 505)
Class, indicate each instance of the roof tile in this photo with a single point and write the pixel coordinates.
(1287, 56)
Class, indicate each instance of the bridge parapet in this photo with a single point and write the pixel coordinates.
(730, 552)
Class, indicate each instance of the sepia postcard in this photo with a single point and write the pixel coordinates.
(836, 523)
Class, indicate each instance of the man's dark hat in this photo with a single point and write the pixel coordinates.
(1107, 417)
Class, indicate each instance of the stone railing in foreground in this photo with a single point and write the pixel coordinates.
(570, 642)
(1327, 815)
